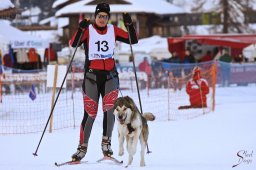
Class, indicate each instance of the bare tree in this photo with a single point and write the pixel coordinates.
(235, 14)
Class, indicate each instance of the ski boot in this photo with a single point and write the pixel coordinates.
(80, 153)
(106, 146)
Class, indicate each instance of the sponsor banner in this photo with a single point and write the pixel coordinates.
(28, 44)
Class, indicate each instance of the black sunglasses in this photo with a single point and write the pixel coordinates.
(102, 16)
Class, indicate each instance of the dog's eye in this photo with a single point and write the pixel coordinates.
(117, 109)
(125, 109)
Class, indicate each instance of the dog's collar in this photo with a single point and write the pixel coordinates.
(130, 128)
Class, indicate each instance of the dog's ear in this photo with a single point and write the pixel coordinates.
(130, 103)
(128, 99)
(117, 102)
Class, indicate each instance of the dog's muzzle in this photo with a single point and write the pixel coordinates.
(121, 119)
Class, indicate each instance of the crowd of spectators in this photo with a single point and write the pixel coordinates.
(181, 67)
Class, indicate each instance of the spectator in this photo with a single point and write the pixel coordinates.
(197, 88)
(22, 58)
(176, 70)
(189, 59)
(144, 66)
(50, 55)
(225, 61)
(217, 53)
(1, 63)
(238, 58)
(10, 59)
(34, 59)
(246, 60)
(32, 55)
(158, 73)
(206, 57)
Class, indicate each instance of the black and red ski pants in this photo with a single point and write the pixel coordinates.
(98, 83)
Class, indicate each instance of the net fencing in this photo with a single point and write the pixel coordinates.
(20, 114)
(173, 81)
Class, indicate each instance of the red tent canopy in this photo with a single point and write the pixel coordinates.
(225, 40)
(237, 41)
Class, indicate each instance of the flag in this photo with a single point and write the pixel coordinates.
(11, 55)
(32, 92)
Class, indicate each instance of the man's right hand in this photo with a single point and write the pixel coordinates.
(84, 23)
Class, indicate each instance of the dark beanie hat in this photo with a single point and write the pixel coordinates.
(102, 7)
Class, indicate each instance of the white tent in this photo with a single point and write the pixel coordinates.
(155, 46)
(19, 39)
(250, 51)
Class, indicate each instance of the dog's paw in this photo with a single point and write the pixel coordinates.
(142, 163)
(120, 153)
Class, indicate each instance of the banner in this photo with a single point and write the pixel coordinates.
(28, 44)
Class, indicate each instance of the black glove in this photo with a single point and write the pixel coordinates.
(84, 23)
(127, 19)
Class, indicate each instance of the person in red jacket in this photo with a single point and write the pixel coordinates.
(50, 55)
(197, 88)
(100, 77)
(206, 57)
(144, 66)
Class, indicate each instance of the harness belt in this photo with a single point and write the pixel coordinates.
(91, 74)
(130, 128)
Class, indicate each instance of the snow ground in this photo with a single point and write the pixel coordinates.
(204, 143)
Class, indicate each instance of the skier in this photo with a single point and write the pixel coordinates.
(100, 76)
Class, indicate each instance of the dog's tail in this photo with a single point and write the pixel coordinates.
(149, 116)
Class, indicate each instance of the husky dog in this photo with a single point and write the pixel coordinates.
(132, 126)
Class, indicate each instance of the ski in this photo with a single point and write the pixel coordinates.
(110, 159)
(105, 158)
(70, 163)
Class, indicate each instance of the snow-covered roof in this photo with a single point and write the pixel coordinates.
(32, 11)
(134, 6)
(147, 45)
(18, 38)
(52, 21)
(62, 22)
(5, 4)
(58, 3)
(47, 20)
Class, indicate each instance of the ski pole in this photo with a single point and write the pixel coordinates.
(135, 73)
(35, 154)
(134, 69)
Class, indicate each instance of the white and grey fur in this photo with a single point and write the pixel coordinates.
(132, 126)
